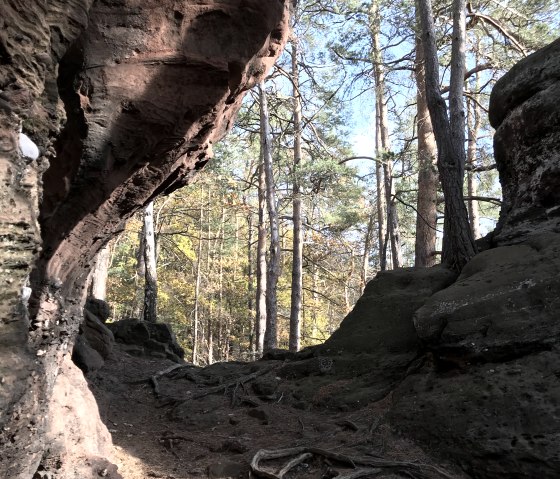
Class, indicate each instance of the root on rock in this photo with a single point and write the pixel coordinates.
(369, 467)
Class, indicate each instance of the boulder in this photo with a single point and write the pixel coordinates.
(162, 333)
(93, 345)
(153, 339)
(98, 308)
(525, 110)
(381, 322)
(130, 331)
(489, 397)
(97, 334)
(374, 346)
(85, 357)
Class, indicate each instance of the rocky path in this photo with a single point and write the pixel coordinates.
(212, 422)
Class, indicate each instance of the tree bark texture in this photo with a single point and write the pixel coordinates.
(458, 242)
(297, 246)
(381, 210)
(426, 216)
(150, 286)
(273, 270)
(250, 282)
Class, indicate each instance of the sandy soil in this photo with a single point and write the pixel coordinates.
(211, 423)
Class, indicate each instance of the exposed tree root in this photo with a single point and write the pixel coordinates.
(154, 379)
(223, 388)
(369, 467)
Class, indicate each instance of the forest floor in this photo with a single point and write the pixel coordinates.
(211, 422)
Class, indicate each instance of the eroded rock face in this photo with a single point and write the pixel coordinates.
(28, 101)
(503, 305)
(525, 110)
(148, 88)
(490, 397)
(79, 443)
(377, 340)
(495, 420)
(124, 100)
(380, 323)
(374, 347)
(150, 339)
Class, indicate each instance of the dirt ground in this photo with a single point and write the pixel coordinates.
(197, 423)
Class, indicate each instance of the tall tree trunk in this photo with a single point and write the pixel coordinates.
(349, 276)
(458, 242)
(140, 274)
(260, 319)
(221, 320)
(211, 288)
(315, 299)
(473, 126)
(196, 313)
(382, 137)
(250, 285)
(210, 338)
(381, 203)
(392, 216)
(297, 248)
(365, 257)
(426, 206)
(98, 285)
(150, 287)
(273, 271)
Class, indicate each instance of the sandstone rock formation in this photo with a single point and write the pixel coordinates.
(79, 445)
(377, 339)
(524, 110)
(490, 399)
(124, 100)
